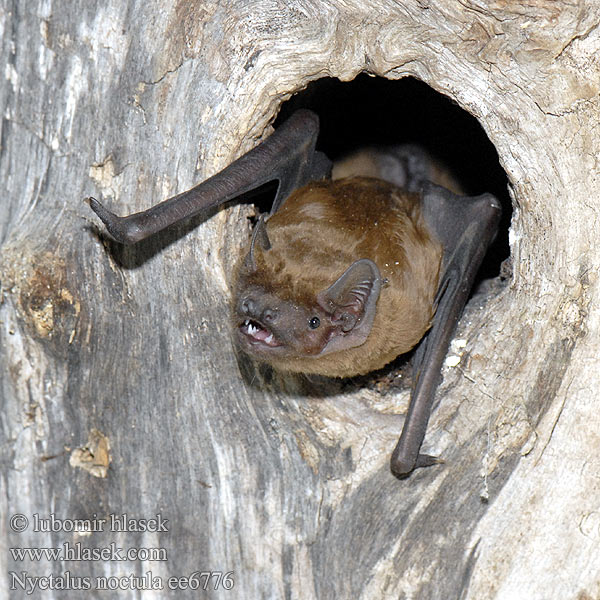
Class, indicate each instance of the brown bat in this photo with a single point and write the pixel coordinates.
(343, 276)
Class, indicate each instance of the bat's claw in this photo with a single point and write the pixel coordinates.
(122, 229)
(402, 468)
(425, 460)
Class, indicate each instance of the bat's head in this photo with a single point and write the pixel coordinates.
(290, 326)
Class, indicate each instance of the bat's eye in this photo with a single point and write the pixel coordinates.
(314, 322)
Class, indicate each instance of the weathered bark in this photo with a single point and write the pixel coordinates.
(284, 481)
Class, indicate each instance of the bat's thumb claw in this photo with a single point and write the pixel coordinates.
(124, 230)
(425, 460)
(403, 468)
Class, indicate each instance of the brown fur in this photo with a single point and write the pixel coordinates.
(383, 163)
(326, 226)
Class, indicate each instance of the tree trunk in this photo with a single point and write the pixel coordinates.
(121, 391)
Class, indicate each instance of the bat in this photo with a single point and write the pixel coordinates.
(343, 275)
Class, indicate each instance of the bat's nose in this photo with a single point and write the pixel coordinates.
(268, 315)
(254, 309)
(248, 307)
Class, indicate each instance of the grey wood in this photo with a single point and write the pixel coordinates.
(120, 389)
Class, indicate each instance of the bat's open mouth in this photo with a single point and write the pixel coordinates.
(256, 333)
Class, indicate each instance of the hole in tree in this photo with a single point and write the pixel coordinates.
(373, 111)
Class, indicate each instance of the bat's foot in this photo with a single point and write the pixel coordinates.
(403, 467)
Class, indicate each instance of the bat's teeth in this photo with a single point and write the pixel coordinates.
(258, 333)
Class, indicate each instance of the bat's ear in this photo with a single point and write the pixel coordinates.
(351, 302)
(259, 235)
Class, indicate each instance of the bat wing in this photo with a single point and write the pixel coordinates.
(288, 156)
(465, 226)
